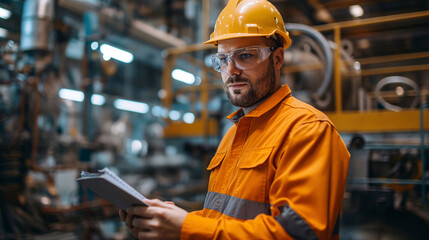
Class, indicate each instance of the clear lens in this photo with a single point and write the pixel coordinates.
(243, 58)
(216, 63)
(246, 57)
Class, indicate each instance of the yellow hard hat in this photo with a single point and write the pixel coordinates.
(249, 18)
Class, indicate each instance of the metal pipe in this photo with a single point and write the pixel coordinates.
(37, 25)
(326, 50)
(137, 28)
(395, 79)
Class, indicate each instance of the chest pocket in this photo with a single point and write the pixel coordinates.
(216, 160)
(214, 168)
(254, 157)
(252, 174)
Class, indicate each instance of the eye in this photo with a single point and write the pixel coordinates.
(245, 55)
(222, 58)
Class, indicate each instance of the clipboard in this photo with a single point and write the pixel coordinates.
(106, 184)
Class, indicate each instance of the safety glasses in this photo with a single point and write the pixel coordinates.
(243, 58)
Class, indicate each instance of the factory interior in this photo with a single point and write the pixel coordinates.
(128, 85)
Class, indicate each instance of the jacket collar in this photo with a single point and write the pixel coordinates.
(264, 107)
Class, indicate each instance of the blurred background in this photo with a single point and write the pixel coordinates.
(88, 84)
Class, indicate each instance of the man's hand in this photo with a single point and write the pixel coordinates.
(128, 222)
(158, 221)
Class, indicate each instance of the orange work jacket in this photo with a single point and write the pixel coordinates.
(279, 173)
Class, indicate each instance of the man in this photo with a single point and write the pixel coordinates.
(280, 170)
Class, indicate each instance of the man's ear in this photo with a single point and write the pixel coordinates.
(278, 55)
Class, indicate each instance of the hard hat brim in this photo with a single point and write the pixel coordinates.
(215, 40)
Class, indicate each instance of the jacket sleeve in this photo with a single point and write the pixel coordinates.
(198, 213)
(306, 192)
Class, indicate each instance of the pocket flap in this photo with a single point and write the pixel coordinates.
(216, 160)
(255, 157)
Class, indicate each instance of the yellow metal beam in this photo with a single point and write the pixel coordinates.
(205, 26)
(190, 48)
(389, 70)
(370, 21)
(362, 61)
(337, 71)
(345, 122)
(196, 129)
(393, 58)
(379, 121)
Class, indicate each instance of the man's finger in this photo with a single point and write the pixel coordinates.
(129, 220)
(139, 211)
(144, 224)
(122, 214)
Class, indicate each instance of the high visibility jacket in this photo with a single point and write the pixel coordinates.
(279, 173)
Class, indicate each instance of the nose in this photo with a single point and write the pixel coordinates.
(232, 68)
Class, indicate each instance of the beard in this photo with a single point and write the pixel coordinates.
(264, 86)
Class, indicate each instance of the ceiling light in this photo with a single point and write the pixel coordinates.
(357, 66)
(98, 99)
(400, 91)
(4, 13)
(45, 200)
(94, 45)
(132, 106)
(363, 43)
(162, 93)
(356, 10)
(174, 115)
(323, 15)
(188, 117)
(183, 76)
(136, 146)
(116, 53)
(73, 95)
(106, 57)
(3, 33)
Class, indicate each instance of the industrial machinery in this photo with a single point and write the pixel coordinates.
(45, 141)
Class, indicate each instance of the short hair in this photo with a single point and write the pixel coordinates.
(273, 41)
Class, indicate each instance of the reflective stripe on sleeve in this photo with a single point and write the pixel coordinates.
(294, 224)
(235, 207)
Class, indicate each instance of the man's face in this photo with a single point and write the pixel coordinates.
(247, 87)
